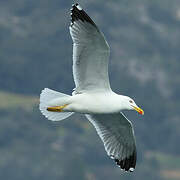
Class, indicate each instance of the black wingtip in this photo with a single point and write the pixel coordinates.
(77, 13)
(128, 163)
(75, 4)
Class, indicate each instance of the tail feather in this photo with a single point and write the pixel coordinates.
(48, 95)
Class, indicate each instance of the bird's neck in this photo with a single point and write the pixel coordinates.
(121, 101)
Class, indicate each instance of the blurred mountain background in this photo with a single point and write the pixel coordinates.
(36, 52)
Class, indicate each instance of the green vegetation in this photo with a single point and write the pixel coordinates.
(166, 161)
(10, 101)
(36, 52)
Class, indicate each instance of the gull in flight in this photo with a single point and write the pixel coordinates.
(92, 95)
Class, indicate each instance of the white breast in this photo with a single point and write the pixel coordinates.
(94, 103)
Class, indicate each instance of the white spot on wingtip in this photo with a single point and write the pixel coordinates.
(79, 7)
(131, 169)
(112, 157)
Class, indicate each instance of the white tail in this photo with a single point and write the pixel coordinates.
(48, 95)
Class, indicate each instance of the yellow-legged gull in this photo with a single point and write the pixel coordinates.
(92, 95)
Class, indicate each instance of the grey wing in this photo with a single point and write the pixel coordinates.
(117, 134)
(90, 53)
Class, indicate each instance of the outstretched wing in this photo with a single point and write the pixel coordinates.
(90, 53)
(117, 134)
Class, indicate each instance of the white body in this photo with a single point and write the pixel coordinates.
(95, 103)
(92, 95)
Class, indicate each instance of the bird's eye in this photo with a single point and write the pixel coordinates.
(130, 101)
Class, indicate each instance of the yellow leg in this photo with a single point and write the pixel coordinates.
(57, 108)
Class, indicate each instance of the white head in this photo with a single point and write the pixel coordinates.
(129, 104)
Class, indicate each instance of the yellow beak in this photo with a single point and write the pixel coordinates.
(139, 110)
